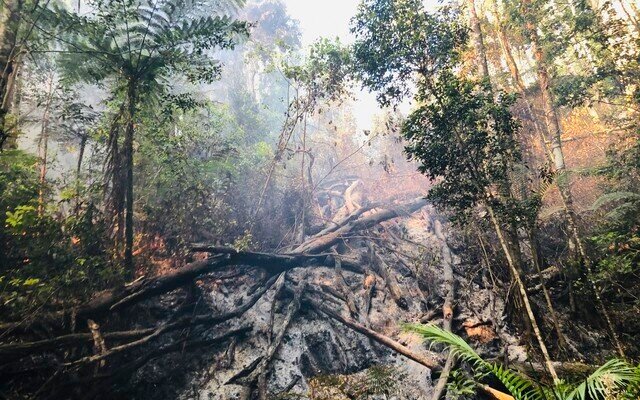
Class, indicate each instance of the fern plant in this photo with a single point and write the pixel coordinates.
(616, 379)
(143, 51)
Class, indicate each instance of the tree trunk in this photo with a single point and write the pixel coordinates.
(478, 40)
(43, 145)
(523, 292)
(447, 307)
(128, 155)
(83, 145)
(555, 132)
(562, 342)
(9, 25)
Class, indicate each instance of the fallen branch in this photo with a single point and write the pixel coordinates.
(144, 335)
(261, 371)
(343, 288)
(324, 242)
(430, 360)
(383, 269)
(143, 289)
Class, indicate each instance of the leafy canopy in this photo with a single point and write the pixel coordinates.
(398, 42)
(151, 42)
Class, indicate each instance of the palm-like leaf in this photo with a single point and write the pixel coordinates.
(615, 197)
(615, 376)
(615, 379)
(519, 386)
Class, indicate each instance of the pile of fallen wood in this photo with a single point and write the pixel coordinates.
(90, 346)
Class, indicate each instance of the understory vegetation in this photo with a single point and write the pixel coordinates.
(175, 173)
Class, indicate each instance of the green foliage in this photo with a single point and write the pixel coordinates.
(616, 379)
(187, 165)
(462, 133)
(397, 41)
(325, 72)
(46, 257)
(147, 41)
(463, 137)
(459, 386)
(617, 236)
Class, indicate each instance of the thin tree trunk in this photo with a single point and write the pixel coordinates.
(514, 70)
(44, 145)
(478, 40)
(128, 149)
(504, 187)
(555, 132)
(540, 130)
(447, 307)
(9, 25)
(83, 145)
(562, 342)
(523, 292)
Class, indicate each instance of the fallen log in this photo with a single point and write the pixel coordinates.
(324, 242)
(335, 225)
(17, 350)
(344, 288)
(142, 289)
(261, 371)
(127, 370)
(429, 360)
(383, 269)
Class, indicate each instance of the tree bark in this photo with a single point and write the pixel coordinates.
(555, 132)
(10, 21)
(478, 40)
(523, 293)
(128, 158)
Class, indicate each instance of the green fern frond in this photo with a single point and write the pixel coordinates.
(518, 385)
(615, 376)
(614, 197)
(457, 346)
